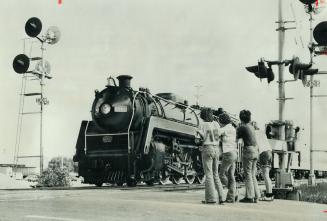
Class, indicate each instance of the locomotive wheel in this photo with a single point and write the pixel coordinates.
(119, 183)
(200, 179)
(176, 179)
(131, 182)
(189, 179)
(163, 177)
(149, 182)
(99, 184)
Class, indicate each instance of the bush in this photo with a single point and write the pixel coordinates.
(316, 194)
(54, 177)
(63, 162)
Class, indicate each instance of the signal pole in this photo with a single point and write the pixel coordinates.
(41, 114)
(281, 90)
(281, 83)
(311, 179)
(21, 65)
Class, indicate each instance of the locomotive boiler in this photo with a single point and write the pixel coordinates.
(136, 136)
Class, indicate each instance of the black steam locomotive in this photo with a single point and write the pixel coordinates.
(136, 136)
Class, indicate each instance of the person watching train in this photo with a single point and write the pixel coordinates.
(209, 132)
(229, 156)
(265, 161)
(250, 151)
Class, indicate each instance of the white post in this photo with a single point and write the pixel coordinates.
(281, 84)
(41, 114)
(311, 180)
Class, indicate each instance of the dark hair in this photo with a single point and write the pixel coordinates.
(245, 116)
(224, 118)
(206, 114)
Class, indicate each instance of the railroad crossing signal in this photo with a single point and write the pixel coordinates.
(33, 27)
(261, 71)
(320, 36)
(301, 70)
(307, 2)
(320, 33)
(21, 63)
(42, 70)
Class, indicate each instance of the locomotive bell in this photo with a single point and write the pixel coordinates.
(124, 80)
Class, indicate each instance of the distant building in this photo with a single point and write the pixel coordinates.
(8, 168)
(11, 169)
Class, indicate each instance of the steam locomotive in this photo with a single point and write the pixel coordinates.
(136, 136)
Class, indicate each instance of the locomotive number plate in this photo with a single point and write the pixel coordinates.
(120, 108)
(106, 139)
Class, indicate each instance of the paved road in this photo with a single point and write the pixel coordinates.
(134, 205)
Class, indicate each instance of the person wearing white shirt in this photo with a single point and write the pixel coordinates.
(229, 156)
(209, 131)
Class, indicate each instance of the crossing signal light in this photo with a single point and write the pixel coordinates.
(296, 67)
(261, 71)
(307, 2)
(301, 70)
(33, 27)
(21, 63)
(320, 33)
(53, 35)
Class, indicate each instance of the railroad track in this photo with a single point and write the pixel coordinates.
(166, 187)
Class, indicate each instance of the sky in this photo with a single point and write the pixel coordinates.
(167, 46)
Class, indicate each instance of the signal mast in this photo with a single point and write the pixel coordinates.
(282, 133)
(41, 71)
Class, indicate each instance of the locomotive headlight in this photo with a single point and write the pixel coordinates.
(105, 108)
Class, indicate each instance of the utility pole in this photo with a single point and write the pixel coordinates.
(281, 83)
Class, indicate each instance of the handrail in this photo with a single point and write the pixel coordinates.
(172, 102)
(87, 125)
(130, 123)
(234, 119)
(96, 135)
(161, 108)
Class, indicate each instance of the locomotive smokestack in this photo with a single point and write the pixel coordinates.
(124, 80)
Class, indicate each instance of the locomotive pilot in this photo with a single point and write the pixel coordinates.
(209, 131)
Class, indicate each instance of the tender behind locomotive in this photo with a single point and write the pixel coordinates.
(136, 136)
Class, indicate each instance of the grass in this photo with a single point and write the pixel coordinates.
(316, 194)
